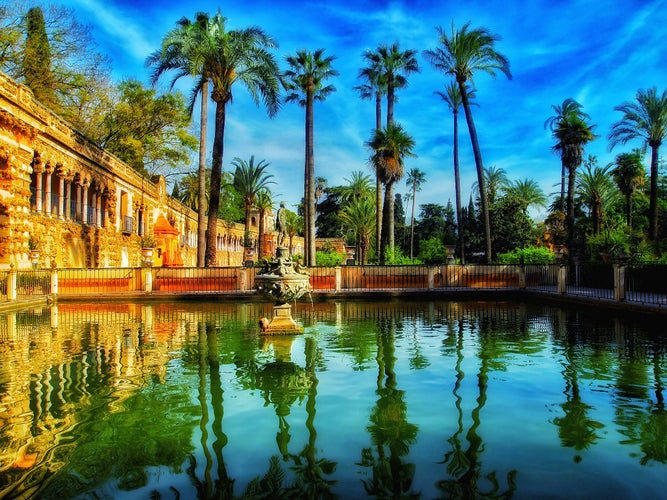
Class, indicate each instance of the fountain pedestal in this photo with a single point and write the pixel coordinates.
(283, 281)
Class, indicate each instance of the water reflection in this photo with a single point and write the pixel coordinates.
(425, 399)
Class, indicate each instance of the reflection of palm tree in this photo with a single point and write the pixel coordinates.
(389, 428)
(465, 466)
(575, 429)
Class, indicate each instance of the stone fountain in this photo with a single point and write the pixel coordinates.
(282, 280)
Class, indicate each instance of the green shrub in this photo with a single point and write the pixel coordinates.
(432, 251)
(396, 258)
(529, 255)
(329, 259)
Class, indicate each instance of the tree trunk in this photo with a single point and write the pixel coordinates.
(480, 169)
(628, 210)
(653, 200)
(412, 223)
(387, 222)
(310, 181)
(201, 177)
(378, 182)
(571, 179)
(216, 180)
(457, 188)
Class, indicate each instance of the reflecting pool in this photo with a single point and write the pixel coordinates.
(414, 399)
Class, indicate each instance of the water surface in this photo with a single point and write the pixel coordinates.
(416, 399)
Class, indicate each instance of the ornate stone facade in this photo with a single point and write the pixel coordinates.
(79, 205)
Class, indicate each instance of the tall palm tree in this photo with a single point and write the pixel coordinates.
(304, 83)
(561, 111)
(628, 174)
(597, 191)
(528, 192)
(645, 119)
(390, 146)
(452, 96)
(374, 88)
(393, 66)
(222, 58)
(359, 216)
(462, 54)
(572, 132)
(496, 182)
(179, 52)
(293, 225)
(249, 180)
(414, 181)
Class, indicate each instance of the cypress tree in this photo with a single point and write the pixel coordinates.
(37, 58)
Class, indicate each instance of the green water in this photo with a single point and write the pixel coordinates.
(407, 399)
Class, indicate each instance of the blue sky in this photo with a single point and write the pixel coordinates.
(599, 52)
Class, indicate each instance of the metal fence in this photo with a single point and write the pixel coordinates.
(591, 280)
(98, 281)
(646, 283)
(200, 280)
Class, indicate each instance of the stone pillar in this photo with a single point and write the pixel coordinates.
(38, 190)
(562, 279)
(521, 271)
(47, 189)
(619, 282)
(11, 283)
(68, 199)
(431, 278)
(54, 281)
(84, 203)
(61, 197)
(339, 279)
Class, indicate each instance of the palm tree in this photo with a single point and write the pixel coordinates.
(628, 174)
(529, 192)
(561, 111)
(263, 203)
(645, 119)
(374, 88)
(179, 52)
(222, 57)
(496, 181)
(596, 190)
(358, 186)
(249, 180)
(293, 225)
(414, 181)
(393, 66)
(359, 216)
(572, 132)
(390, 146)
(452, 97)
(461, 55)
(304, 83)
(188, 190)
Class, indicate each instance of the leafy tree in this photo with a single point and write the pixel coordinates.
(432, 251)
(430, 223)
(249, 180)
(462, 54)
(76, 77)
(304, 83)
(390, 147)
(512, 228)
(224, 57)
(328, 219)
(646, 120)
(572, 131)
(628, 174)
(147, 131)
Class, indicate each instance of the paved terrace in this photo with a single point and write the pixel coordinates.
(638, 288)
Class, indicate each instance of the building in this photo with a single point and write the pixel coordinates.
(66, 202)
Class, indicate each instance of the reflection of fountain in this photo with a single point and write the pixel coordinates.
(283, 281)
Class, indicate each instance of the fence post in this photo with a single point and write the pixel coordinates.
(431, 277)
(521, 271)
(148, 279)
(11, 283)
(243, 279)
(54, 279)
(339, 279)
(619, 282)
(562, 278)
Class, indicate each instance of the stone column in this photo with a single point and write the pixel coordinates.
(47, 188)
(61, 197)
(84, 202)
